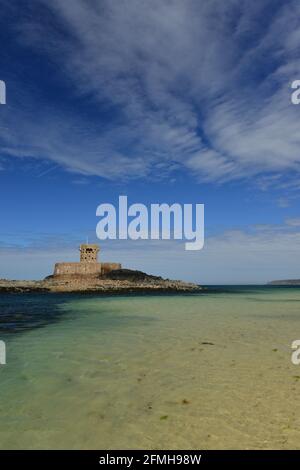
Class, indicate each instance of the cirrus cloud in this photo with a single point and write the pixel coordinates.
(201, 87)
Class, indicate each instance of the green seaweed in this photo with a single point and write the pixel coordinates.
(185, 402)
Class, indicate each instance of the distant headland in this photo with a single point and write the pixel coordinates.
(285, 282)
(90, 276)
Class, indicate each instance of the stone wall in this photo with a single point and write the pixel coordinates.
(84, 269)
(107, 267)
(77, 269)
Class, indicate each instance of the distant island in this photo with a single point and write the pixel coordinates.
(285, 282)
(91, 276)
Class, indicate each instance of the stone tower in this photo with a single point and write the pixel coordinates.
(88, 265)
(89, 253)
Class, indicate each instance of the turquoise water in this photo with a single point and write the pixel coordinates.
(191, 371)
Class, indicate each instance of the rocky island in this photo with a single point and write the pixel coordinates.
(90, 276)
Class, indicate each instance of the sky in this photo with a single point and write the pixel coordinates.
(163, 101)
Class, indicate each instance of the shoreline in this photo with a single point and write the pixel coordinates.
(118, 283)
(103, 292)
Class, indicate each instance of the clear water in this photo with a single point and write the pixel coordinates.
(155, 372)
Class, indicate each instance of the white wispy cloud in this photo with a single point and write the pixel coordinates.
(200, 86)
(293, 222)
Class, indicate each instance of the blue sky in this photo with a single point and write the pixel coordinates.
(165, 101)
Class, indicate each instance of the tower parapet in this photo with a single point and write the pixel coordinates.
(89, 253)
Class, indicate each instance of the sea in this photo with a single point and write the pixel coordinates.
(196, 371)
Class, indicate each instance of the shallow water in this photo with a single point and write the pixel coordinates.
(154, 372)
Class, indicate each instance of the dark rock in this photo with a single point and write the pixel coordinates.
(130, 275)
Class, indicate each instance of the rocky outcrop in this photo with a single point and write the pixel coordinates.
(120, 281)
(131, 275)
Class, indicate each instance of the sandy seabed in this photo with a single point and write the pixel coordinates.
(208, 371)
